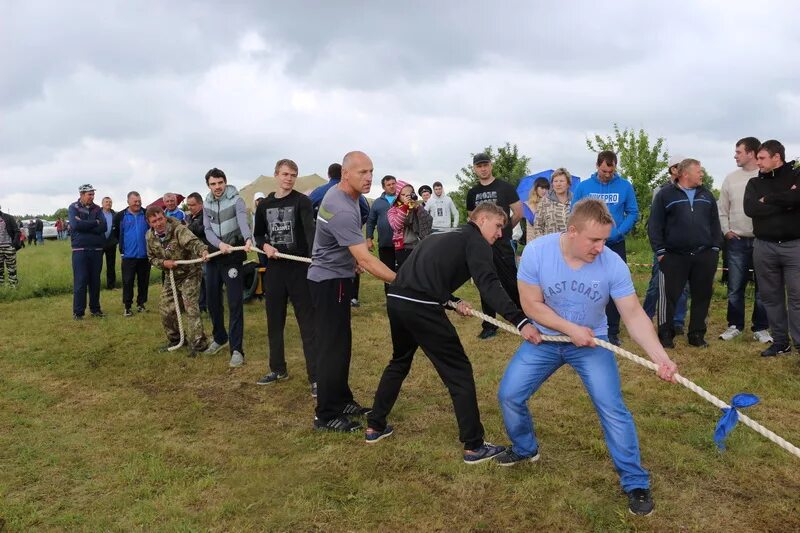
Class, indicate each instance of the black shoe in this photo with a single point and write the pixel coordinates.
(77, 317)
(140, 308)
(273, 377)
(678, 329)
(375, 436)
(510, 457)
(340, 424)
(697, 340)
(487, 334)
(666, 342)
(640, 502)
(355, 409)
(613, 339)
(775, 349)
(127, 312)
(99, 314)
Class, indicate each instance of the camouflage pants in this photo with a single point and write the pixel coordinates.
(188, 288)
(8, 261)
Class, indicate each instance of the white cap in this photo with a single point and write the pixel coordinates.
(675, 160)
(258, 195)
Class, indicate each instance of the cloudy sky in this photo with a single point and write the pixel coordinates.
(149, 95)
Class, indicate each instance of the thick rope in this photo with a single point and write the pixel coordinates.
(746, 420)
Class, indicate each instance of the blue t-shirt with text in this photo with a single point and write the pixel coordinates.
(581, 295)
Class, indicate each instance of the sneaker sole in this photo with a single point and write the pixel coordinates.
(637, 514)
(236, 365)
(528, 460)
(215, 352)
(482, 460)
(379, 437)
(323, 429)
(271, 382)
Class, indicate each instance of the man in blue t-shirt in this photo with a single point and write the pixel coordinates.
(565, 282)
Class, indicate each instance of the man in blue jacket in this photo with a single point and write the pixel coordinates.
(88, 237)
(620, 198)
(377, 218)
(130, 229)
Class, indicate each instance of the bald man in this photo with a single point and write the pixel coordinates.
(339, 251)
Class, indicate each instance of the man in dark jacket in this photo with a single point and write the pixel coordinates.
(110, 247)
(88, 230)
(9, 244)
(439, 265)
(194, 221)
(32, 232)
(771, 199)
(686, 236)
(378, 219)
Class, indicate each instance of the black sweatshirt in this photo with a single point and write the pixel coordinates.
(777, 218)
(443, 262)
(286, 223)
(682, 227)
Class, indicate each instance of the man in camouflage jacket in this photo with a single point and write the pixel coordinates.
(168, 241)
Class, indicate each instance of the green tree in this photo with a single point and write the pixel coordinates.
(507, 164)
(641, 161)
(61, 213)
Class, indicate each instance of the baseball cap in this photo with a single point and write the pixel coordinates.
(481, 158)
(258, 196)
(675, 160)
(424, 188)
(85, 188)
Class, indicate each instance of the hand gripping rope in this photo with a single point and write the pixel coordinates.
(747, 421)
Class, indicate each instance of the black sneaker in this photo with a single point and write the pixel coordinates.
(77, 317)
(340, 424)
(355, 409)
(127, 312)
(613, 339)
(666, 342)
(510, 457)
(678, 330)
(640, 502)
(140, 308)
(375, 435)
(775, 349)
(487, 334)
(273, 377)
(99, 314)
(484, 453)
(697, 341)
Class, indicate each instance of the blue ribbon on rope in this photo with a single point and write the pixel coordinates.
(731, 417)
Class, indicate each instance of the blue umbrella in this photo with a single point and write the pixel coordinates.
(526, 184)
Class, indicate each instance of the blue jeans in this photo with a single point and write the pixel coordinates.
(40, 237)
(529, 369)
(651, 298)
(740, 261)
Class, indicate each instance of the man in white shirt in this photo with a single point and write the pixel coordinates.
(738, 230)
(442, 209)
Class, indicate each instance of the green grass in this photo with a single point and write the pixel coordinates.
(100, 432)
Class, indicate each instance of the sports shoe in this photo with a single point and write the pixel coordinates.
(77, 317)
(355, 409)
(640, 502)
(678, 328)
(731, 333)
(614, 339)
(214, 348)
(697, 341)
(762, 336)
(273, 377)
(354, 303)
(340, 424)
(510, 457)
(666, 341)
(237, 359)
(98, 314)
(127, 312)
(375, 436)
(774, 350)
(314, 390)
(487, 334)
(140, 309)
(484, 453)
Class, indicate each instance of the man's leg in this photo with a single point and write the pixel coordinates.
(403, 348)
(769, 272)
(189, 292)
(232, 274)
(128, 273)
(530, 366)
(10, 260)
(275, 301)
(679, 318)
(166, 310)
(216, 308)
(790, 257)
(673, 276)
(80, 281)
(598, 371)
(143, 281)
(612, 314)
(758, 319)
(701, 287)
(738, 252)
(3, 261)
(95, 264)
(333, 339)
(506, 268)
(651, 296)
(304, 313)
(202, 296)
(110, 254)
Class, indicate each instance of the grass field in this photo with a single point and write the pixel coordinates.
(100, 432)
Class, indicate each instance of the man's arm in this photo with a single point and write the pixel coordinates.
(370, 263)
(260, 233)
(724, 207)
(77, 223)
(753, 207)
(244, 225)
(454, 211)
(655, 225)
(532, 300)
(372, 221)
(211, 237)
(516, 213)
(631, 212)
(307, 220)
(642, 332)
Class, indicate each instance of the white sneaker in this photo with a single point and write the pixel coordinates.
(237, 359)
(762, 336)
(214, 347)
(730, 333)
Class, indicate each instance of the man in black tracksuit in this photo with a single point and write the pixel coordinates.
(439, 265)
(284, 223)
(686, 236)
(772, 200)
